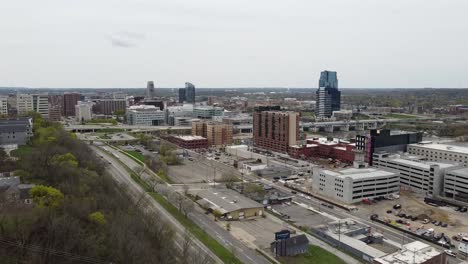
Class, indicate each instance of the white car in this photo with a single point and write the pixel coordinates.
(450, 253)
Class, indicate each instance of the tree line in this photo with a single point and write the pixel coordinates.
(80, 214)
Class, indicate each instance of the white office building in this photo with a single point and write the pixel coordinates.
(145, 115)
(33, 102)
(83, 111)
(415, 174)
(456, 184)
(179, 115)
(354, 185)
(207, 112)
(4, 105)
(440, 152)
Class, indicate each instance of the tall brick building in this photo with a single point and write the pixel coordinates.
(70, 100)
(218, 134)
(275, 130)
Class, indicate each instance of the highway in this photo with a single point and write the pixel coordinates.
(121, 175)
(242, 252)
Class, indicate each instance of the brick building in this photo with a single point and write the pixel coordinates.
(275, 130)
(218, 134)
(189, 142)
(70, 100)
(109, 106)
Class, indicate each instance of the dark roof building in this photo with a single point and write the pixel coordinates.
(290, 246)
(15, 131)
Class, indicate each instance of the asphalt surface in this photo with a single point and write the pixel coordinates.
(242, 252)
(121, 176)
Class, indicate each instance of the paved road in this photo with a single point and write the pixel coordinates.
(121, 175)
(245, 254)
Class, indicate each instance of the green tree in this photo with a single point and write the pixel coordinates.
(46, 196)
(66, 159)
(97, 218)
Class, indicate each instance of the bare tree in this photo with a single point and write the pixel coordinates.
(187, 207)
(186, 245)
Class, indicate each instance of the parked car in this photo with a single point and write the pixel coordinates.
(444, 225)
(434, 222)
(450, 253)
(397, 206)
(389, 211)
(374, 216)
(426, 221)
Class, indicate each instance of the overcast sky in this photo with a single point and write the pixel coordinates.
(233, 43)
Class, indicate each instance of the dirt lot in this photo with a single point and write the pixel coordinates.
(413, 204)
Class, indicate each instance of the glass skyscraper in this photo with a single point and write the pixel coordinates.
(328, 95)
(190, 93)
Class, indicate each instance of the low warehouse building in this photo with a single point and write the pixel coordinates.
(229, 204)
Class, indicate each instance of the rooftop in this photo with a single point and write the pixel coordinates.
(143, 107)
(10, 181)
(415, 252)
(226, 200)
(461, 172)
(188, 138)
(436, 146)
(422, 164)
(355, 173)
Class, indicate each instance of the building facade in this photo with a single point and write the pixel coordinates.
(69, 102)
(83, 111)
(182, 97)
(150, 90)
(144, 115)
(15, 131)
(456, 184)
(217, 134)
(354, 185)
(190, 93)
(189, 142)
(33, 103)
(207, 112)
(440, 152)
(109, 106)
(4, 105)
(415, 175)
(275, 130)
(328, 95)
(385, 141)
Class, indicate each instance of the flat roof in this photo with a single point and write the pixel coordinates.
(355, 173)
(187, 138)
(444, 147)
(460, 172)
(421, 164)
(226, 200)
(414, 252)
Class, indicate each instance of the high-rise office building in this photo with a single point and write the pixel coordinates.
(109, 106)
(275, 130)
(189, 93)
(182, 97)
(83, 111)
(70, 100)
(150, 90)
(328, 95)
(33, 102)
(4, 105)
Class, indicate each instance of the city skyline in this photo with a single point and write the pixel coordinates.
(397, 44)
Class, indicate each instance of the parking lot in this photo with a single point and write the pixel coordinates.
(414, 212)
